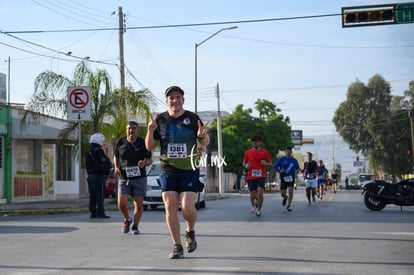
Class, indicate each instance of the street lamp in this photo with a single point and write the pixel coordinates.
(195, 70)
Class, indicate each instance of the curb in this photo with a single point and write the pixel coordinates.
(46, 211)
(73, 209)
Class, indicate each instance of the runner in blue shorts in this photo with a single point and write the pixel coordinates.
(322, 174)
(180, 134)
(287, 166)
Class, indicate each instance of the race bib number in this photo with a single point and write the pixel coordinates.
(321, 177)
(132, 171)
(310, 176)
(256, 173)
(288, 178)
(177, 150)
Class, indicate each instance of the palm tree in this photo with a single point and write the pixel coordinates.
(109, 108)
(127, 105)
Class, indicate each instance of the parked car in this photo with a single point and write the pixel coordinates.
(111, 186)
(364, 179)
(153, 197)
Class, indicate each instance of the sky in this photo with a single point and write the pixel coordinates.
(303, 65)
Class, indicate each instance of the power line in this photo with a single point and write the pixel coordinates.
(66, 12)
(143, 86)
(272, 90)
(186, 25)
(222, 23)
(83, 11)
(84, 7)
(35, 53)
(133, 76)
(319, 46)
(52, 50)
(146, 53)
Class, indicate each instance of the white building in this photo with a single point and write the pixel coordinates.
(33, 166)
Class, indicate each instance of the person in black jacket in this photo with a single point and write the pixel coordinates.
(98, 166)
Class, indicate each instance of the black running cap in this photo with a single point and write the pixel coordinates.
(174, 89)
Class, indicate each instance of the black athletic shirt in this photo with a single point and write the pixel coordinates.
(129, 154)
(178, 141)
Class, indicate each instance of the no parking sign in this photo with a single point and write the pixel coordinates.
(79, 103)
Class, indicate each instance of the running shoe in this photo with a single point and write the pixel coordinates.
(289, 208)
(134, 229)
(284, 200)
(191, 242)
(125, 227)
(258, 213)
(253, 209)
(178, 252)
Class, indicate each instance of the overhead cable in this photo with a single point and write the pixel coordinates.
(185, 25)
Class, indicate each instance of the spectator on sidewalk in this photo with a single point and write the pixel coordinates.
(98, 167)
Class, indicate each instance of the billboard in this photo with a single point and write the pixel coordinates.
(296, 137)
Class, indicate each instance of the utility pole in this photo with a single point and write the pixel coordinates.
(8, 145)
(333, 150)
(410, 115)
(219, 142)
(121, 47)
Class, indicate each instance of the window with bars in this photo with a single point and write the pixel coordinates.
(65, 163)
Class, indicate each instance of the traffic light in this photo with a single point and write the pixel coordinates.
(368, 15)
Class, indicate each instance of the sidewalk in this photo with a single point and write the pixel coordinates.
(47, 207)
(69, 206)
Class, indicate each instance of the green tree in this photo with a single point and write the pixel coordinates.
(235, 136)
(241, 125)
(364, 104)
(127, 105)
(374, 122)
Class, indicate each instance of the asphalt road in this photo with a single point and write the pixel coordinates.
(337, 235)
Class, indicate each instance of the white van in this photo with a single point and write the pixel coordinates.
(364, 178)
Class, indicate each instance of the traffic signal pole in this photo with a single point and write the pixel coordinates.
(361, 16)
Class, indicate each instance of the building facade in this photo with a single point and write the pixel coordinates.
(32, 167)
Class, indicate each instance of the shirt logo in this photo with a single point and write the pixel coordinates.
(186, 121)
